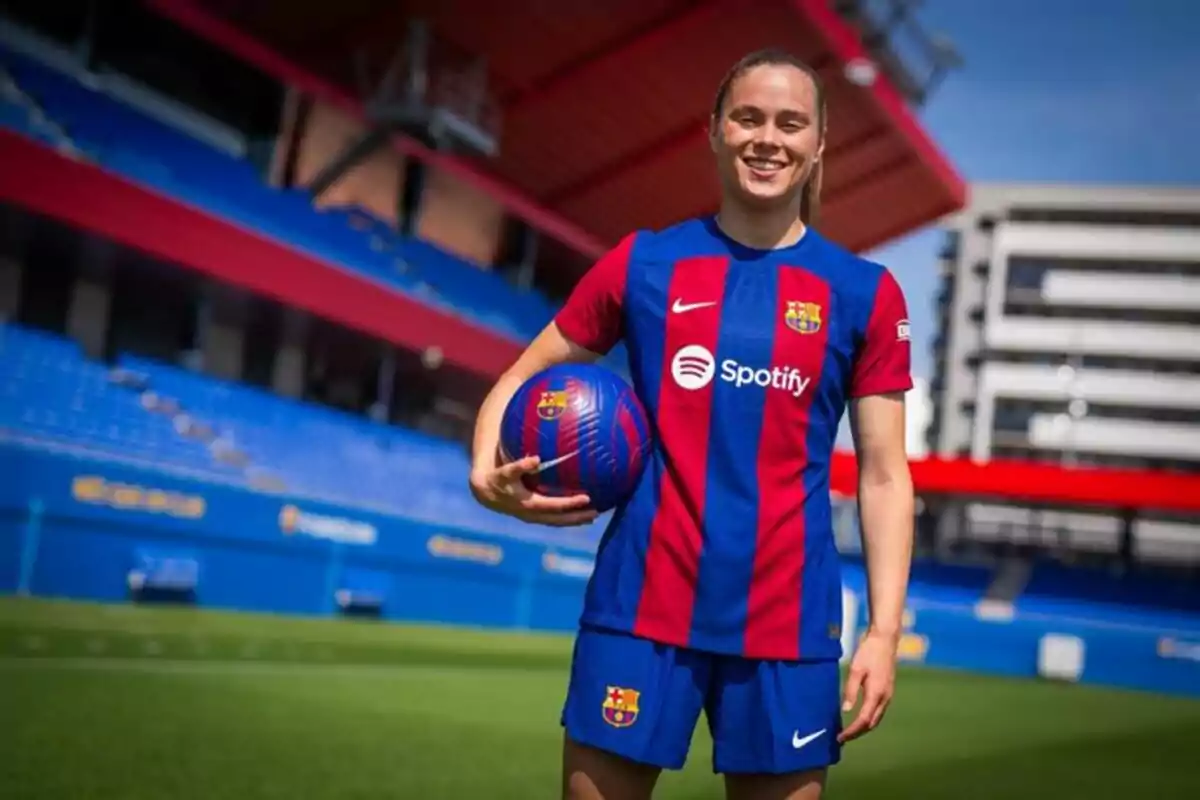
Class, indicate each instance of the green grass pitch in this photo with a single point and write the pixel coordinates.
(173, 704)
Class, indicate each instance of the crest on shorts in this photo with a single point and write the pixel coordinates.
(552, 405)
(803, 317)
(620, 706)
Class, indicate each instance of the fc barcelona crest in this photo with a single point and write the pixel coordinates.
(803, 317)
(620, 706)
(552, 405)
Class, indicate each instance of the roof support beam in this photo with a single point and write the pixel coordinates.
(203, 23)
(351, 156)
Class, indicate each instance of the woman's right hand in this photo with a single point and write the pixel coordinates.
(501, 489)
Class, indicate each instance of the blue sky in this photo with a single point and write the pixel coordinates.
(1056, 91)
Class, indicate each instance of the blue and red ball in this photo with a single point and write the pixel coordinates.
(588, 428)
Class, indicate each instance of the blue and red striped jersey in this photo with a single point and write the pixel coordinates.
(745, 360)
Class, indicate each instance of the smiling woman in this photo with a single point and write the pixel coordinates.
(769, 137)
(718, 586)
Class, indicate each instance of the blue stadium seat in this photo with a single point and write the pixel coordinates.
(48, 390)
(51, 394)
(931, 581)
(1134, 599)
(951, 583)
(329, 454)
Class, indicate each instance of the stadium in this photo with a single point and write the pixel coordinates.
(259, 265)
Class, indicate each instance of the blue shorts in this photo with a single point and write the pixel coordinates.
(641, 700)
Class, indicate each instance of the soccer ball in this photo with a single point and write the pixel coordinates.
(587, 426)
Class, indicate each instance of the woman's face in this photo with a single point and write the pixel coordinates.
(768, 135)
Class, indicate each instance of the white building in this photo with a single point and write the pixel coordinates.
(918, 412)
(1070, 333)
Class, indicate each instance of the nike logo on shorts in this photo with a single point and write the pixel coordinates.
(798, 742)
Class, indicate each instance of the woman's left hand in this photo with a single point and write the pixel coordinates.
(872, 677)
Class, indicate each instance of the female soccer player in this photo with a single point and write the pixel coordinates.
(717, 585)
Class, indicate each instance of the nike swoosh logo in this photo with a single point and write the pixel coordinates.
(555, 462)
(797, 742)
(680, 307)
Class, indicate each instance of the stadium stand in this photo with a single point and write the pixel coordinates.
(48, 391)
(1134, 599)
(931, 581)
(53, 104)
(168, 417)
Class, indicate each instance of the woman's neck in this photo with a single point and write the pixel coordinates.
(761, 229)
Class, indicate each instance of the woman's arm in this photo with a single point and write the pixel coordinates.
(885, 507)
(885, 502)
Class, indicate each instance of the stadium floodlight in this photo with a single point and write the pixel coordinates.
(861, 71)
(889, 28)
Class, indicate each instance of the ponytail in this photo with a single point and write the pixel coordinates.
(810, 200)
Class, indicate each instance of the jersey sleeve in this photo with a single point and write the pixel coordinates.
(884, 362)
(592, 316)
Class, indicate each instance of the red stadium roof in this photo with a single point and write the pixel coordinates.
(604, 104)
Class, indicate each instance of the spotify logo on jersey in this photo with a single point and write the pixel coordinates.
(693, 367)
